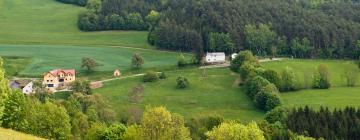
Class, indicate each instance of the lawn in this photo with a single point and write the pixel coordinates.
(51, 22)
(304, 68)
(43, 58)
(8, 134)
(13, 65)
(212, 93)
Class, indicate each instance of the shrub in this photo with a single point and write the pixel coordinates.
(277, 114)
(254, 85)
(289, 80)
(182, 82)
(181, 61)
(162, 75)
(321, 78)
(137, 61)
(273, 77)
(241, 58)
(351, 76)
(247, 70)
(150, 76)
(267, 98)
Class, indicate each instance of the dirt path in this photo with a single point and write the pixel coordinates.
(227, 63)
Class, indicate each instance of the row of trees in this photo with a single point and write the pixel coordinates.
(77, 2)
(332, 125)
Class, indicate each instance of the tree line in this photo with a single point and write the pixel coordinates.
(302, 29)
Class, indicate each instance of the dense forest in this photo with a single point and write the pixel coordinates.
(302, 29)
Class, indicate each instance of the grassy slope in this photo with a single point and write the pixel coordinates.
(215, 94)
(50, 22)
(218, 94)
(7, 134)
(50, 57)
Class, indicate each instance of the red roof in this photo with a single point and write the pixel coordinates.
(57, 71)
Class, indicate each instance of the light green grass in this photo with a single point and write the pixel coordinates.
(337, 97)
(51, 22)
(305, 69)
(8, 134)
(48, 57)
(215, 94)
(13, 65)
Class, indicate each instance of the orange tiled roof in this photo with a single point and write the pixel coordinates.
(57, 71)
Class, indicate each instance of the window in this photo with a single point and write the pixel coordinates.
(47, 80)
(50, 85)
(51, 80)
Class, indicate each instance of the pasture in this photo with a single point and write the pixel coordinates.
(215, 92)
(51, 22)
(8, 134)
(42, 58)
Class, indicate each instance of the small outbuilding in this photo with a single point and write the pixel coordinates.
(215, 57)
(233, 56)
(26, 86)
(117, 73)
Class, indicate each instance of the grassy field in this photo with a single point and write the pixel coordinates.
(216, 93)
(305, 69)
(42, 58)
(51, 22)
(336, 97)
(7, 134)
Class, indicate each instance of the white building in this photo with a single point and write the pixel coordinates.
(215, 57)
(28, 89)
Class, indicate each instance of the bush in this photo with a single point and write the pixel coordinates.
(277, 114)
(254, 85)
(241, 58)
(181, 61)
(351, 76)
(267, 98)
(77, 2)
(247, 70)
(273, 77)
(289, 80)
(182, 82)
(321, 78)
(150, 76)
(162, 75)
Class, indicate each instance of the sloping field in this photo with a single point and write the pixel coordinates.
(8, 134)
(51, 22)
(48, 57)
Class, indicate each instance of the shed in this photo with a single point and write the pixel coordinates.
(117, 73)
(215, 57)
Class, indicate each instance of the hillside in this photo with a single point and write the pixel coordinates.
(51, 22)
(8, 134)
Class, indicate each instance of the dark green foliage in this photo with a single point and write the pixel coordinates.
(260, 39)
(89, 64)
(321, 78)
(247, 70)
(277, 114)
(162, 75)
(182, 82)
(267, 98)
(241, 58)
(150, 76)
(81, 86)
(221, 42)
(273, 77)
(77, 2)
(88, 21)
(254, 85)
(337, 124)
(199, 126)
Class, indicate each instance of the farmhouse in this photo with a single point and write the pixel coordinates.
(26, 86)
(58, 79)
(215, 57)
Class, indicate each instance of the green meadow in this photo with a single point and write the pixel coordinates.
(51, 22)
(215, 92)
(42, 58)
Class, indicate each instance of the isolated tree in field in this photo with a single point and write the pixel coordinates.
(181, 61)
(137, 61)
(89, 64)
(241, 58)
(321, 78)
(159, 124)
(289, 80)
(182, 82)
(351, 76)
(236, 131)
